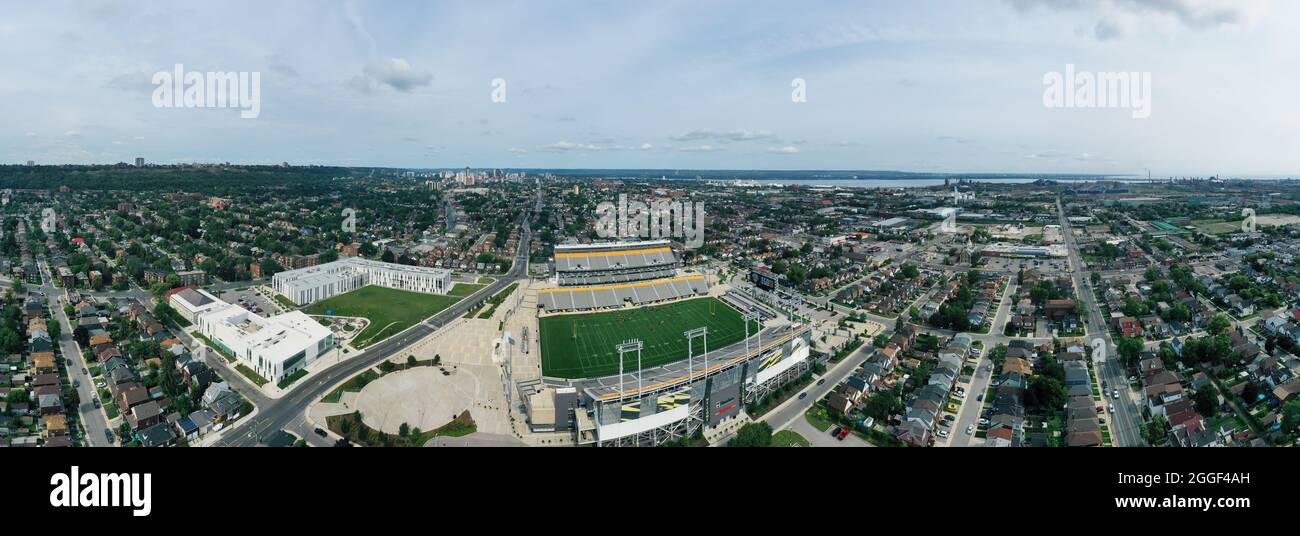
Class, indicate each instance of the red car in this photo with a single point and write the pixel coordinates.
(843, 434)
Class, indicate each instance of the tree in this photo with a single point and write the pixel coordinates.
(1218, 324)
(1156, 430)
(1207, 403)
(754, 434)
(909, 271)
(1290, 416)
(1045, 393)
(1130, 348)
(403, 430)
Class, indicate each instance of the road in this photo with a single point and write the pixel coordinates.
(969, 413)
(93, 419)
(793, 408)
(288, 412)
(1126, 422)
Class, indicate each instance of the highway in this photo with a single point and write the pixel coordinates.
(289, 412)
(1126, 422)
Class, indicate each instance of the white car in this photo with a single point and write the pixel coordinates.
(943, 433)
(970, 429)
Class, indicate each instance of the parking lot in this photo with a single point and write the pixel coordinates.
(251, 300)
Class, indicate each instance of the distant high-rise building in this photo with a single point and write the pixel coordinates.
(139, 162)
(31, 162)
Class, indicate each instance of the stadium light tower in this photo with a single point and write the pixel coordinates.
(690, 348)
(747, 318)
(633, 345)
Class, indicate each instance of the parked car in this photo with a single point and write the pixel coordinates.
(321, 433)
(843, 434)
(821, 381)
(836, 431)
(979, 398)
(983, 421)
(943, 433)
(803, 395)
(108, 434)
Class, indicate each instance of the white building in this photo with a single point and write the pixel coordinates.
(315, 283)
(274, 347)
(192, 302)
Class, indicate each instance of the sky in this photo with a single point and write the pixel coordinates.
(923, 85)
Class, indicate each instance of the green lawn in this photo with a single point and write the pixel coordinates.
(389, 310)
(817, 418)
(252, 375)
(464, 289)
(789, 438)
(582, 345)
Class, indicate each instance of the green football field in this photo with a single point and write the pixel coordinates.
(389, 310)
(582, 346)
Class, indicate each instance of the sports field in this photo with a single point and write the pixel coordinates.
(582, 346)
(389, 310)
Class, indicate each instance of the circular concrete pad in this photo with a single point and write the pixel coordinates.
(421, 397)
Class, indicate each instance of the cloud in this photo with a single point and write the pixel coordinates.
(398, 74)
(732, 135)
(1115, 16)
(132, 81)
(567, 146)
(698, 149)
(789, 149)
(517, 151)
(646, 146)
(276, 63)
(1064, 156)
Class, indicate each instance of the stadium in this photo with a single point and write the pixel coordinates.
(634, 352)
